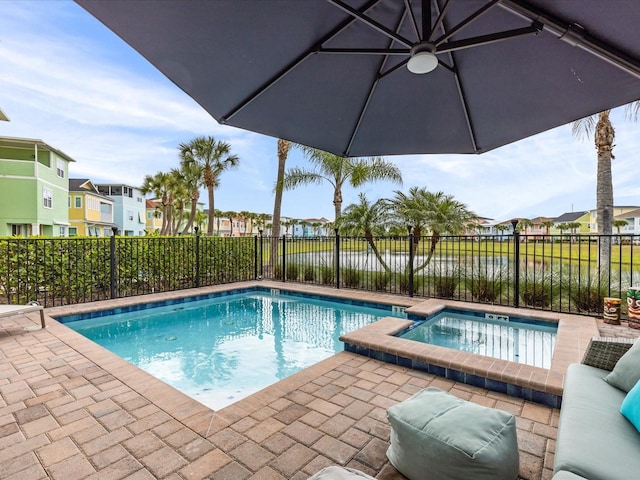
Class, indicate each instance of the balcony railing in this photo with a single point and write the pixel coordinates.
(563, 273)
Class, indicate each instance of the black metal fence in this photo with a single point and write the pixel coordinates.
(60, 271)
(563, 273)
(557, 273)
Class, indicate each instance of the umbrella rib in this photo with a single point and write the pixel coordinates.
(576, 37)
(372, 23)
(454, 70)
(474, 16)
(366, 51)
(409, 8)
(491, 38)
(439, 20)
(374, 85)
(301, 58)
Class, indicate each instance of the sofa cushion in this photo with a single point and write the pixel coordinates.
(594, 440)
(631, 406)
(626, 373)
(564, 475)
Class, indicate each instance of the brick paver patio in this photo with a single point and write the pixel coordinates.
(70, 410)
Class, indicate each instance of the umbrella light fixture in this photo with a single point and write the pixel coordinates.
(423, 58)
(384, 77)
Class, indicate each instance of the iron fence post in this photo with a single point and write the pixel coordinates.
(516, 267)
(112, 263)
(197, 230)
(260, 257)
(284, 257)
(410, 279)
(337, 259)
(255, 257)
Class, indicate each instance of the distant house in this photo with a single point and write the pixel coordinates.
(129, 211)
(33, 188)
(538, 227)
(153, 217)
(582, 218)
(632, 217)
(617, 211)
(90, 212)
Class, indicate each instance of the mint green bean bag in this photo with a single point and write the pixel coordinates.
(437, 435)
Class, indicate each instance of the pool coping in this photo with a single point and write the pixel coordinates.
(377, 340)
(535, 384)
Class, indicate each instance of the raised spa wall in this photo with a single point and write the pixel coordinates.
(534, 384)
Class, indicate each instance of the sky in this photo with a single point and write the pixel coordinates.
(69, 81)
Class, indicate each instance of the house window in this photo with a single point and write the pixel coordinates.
(73, 231)
(47, 198)
(139, 199)
(60, 168)
(78, 202)
(149, 214)
(130, 215)
(63, 231)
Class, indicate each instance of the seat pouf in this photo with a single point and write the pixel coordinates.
(437, 435)
(340, 473)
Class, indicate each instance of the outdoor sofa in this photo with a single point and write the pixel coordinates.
(596, 441)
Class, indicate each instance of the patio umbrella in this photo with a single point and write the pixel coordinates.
(381, 77)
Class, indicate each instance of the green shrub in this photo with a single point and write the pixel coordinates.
(586, 291)
(326, 275)
(537, 292)
(351, 277)
(445, 287)
(292, 271)
(380, 281)
(308, 273)
(484, 288)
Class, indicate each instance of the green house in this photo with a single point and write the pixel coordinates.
(34, 188)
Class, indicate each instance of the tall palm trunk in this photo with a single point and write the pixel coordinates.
(195, 195)
(210, 181)
(283, 152)
(604, 136)
(337, 203)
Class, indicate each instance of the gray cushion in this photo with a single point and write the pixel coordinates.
(564, 475)
(436, 435)
(340, 473)
(626, 373)
(594, 440)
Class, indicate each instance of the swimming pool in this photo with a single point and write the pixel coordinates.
(220, 349)
(519, 340)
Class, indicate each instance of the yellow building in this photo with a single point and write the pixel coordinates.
(153, 222)
(90, 213)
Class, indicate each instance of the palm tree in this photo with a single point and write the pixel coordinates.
(191, 175)
(338, 171)
(367, 219)
(604, 134)
(230, 214)
(283, 152)
(547, 224)
(160, 186)
(423, 210)
(501, 227)
(618, 224)
(215, 157)
(200, 219)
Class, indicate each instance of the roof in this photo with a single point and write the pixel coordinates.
(150, 204)
(22, 142)
(629, 214)
(569, 217)
(84, 185)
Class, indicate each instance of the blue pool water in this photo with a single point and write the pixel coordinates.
(513, 339)
(219, 350)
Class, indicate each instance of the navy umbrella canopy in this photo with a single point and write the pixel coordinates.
(338, 75)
